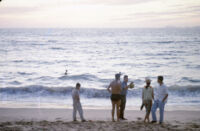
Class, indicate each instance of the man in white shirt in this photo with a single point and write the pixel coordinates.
(160, 99)
(77, 103)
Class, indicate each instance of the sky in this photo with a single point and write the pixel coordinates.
(99, 13)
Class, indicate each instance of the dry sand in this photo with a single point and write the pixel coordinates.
(61, 120)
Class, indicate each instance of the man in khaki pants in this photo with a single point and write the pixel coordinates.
(77, 103)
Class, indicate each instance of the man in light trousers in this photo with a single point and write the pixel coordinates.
(77, 103)
(160, 99)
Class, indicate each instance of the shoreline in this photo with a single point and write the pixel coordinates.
(28, 105)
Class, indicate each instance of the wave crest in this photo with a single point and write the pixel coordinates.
(37, 90)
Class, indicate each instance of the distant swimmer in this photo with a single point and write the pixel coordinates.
(66, 72)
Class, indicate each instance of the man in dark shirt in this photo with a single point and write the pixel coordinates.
(124, 87)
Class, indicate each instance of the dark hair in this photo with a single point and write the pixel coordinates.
(78, 84)
(160, 78)
(148, 84)
(117, 76)
(125, 76)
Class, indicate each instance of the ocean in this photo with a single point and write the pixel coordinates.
(33, 64)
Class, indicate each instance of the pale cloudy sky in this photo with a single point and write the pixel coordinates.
(99, 13)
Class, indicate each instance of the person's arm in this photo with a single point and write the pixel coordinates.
(152, 93)
(76, 96)
(128, 86)
(142, 94)
(165, 98)
(108, 88)
(120, 88)
(141, 107)
(166, 95)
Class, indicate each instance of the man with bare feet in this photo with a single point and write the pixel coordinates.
(115, 89)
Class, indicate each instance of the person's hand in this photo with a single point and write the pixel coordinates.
(131, 85)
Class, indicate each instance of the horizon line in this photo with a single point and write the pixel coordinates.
(167, 27)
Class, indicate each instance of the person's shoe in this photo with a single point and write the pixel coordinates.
(83, 120)
(124, 119)
(160, 122)
(74, 120)
(153, 121)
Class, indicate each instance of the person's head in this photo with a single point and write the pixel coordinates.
(117, 76)
(148, 81)
(125, 78)
(78, 86)
(160, 79)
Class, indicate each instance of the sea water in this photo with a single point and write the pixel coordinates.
(33, 64)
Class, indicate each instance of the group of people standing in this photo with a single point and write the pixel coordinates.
(152, 98)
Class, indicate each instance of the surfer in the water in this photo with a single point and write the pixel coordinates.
(115, 89)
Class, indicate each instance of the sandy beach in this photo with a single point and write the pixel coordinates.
(61, 119)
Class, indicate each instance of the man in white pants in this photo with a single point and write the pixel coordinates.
(77, 103)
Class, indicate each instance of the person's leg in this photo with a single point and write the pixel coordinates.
(145, 105)
(113, 110)
(149, 111)
(80, 110)
(147, 114)
(161, 108)
(122, 105)
(153, 110)
(145, 118)
(74, 110)
(118, 111)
